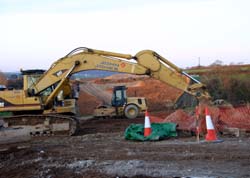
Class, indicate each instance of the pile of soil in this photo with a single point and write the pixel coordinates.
(160, 96)
(184, 120)
(222, 118)
(87, 103)
(237, 117)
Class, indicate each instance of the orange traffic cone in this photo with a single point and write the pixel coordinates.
(211, 134)
(147, 125)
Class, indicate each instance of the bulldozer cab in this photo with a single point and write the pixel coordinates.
(119, 97)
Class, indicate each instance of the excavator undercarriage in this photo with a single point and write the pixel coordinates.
(43, 124)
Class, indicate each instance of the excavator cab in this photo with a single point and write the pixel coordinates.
(119, 97)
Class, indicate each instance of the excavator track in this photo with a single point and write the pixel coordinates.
(43, 125)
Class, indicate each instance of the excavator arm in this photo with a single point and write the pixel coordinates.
(145, 62)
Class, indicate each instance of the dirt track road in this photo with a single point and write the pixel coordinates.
(100, 150)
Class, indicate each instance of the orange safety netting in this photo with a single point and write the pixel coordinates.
(224, 117)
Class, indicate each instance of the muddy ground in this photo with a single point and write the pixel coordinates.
(100, 150)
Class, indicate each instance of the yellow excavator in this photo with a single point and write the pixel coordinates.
(46, 104)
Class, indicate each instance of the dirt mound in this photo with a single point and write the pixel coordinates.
(160, 96)
(229, 117)
(222, 119)
(184, 120)
(238, 117)
(155, 119)
(87, 103)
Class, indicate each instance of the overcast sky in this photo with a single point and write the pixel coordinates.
(34, 34)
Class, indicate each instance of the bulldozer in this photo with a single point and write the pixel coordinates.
(121, 105)
(46, 104)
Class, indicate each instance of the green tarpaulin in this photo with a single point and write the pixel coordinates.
(159, 131)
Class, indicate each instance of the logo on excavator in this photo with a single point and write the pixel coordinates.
(123, 65)
(107, 66)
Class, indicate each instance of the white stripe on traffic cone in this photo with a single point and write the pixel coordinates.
(211, 135)
(147, 125)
